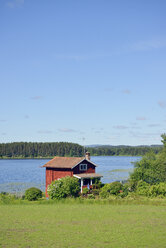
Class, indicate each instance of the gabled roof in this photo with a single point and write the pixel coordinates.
(65, 162)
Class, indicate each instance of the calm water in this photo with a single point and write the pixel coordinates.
(18, 175)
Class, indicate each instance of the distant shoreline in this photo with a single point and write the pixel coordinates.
(19, 158)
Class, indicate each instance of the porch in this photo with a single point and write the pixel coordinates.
(87, 179)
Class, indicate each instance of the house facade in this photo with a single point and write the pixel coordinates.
(80, 167)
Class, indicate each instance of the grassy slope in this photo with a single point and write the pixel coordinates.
(82, 225)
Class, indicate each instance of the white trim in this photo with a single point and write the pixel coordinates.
(88, 177)
(77, 176)
(82, 183)
(82, 161)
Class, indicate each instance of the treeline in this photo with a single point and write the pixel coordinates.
(51, 149)
(123, 150)
(37, 150)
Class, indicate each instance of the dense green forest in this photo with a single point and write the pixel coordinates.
(51, 149)
(123, 150)
(38, 150)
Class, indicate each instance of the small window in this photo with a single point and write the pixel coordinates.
(83, 167)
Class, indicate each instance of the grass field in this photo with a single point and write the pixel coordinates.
(82, 225)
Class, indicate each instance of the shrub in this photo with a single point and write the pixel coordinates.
(95, 192)
(33, 194)
(115, 188)
(155, 190)
(142, 188)
(97, 184)
(104, 192)
(112, 188)
(7, 198)
(158, 190)
(64, 187)
(85, 191)
(152, 167)
(91, 196)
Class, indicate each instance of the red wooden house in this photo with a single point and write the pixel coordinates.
(79, 167)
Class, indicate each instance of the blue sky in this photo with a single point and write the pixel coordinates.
(84, 71)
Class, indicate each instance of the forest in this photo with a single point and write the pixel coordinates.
(39, 149)
(51, 149)
(123, 150)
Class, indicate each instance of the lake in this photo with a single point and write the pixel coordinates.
(19, 174)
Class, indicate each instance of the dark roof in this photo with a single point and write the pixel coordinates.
(87, 175)
(65, 162)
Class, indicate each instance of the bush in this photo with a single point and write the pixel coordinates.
(85, 191)
(33, 194)
(155, 190)
(91, 196)
(104, 192)
(142, 188)
(97, 184)
(112, 188)
(95, 192)
(158, 190)
(152, 167)
(7, 198)
(64, 187)
(115, 188)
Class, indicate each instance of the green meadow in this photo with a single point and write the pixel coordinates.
(66, 224)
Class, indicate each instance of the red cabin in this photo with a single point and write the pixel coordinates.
(79, 167)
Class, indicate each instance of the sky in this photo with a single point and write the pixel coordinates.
(83, 71)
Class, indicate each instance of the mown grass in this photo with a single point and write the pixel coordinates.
(90, 224)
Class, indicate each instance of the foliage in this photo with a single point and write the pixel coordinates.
(64, 187)
(149, 176)
(51, 149)
(163, 136)
(7, 198)
(37, 149)
(158, 190)
(97, 184)
(151, 168)
(111, 189)
(85, 191)
(33, 194)
(123, 150)
(143, 188)
(91, 196)
(95, 192)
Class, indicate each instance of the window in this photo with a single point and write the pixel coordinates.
(83, 167)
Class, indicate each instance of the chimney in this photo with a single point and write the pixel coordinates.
(87, 155)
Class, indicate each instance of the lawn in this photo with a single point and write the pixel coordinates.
(61, 225)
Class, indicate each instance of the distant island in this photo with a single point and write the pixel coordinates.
(21, 150)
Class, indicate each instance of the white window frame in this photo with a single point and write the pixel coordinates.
(83, 167)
